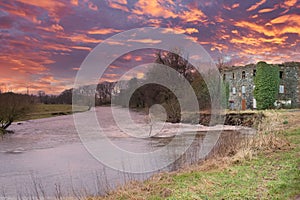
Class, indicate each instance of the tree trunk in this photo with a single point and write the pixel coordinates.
(5, 126)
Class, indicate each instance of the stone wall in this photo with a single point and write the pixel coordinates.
(290, 81)
(244, 78)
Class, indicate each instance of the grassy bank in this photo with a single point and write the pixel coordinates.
(50, 110)
(265, 167)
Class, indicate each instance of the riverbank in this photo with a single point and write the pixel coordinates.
(264, 167)
(40, 111)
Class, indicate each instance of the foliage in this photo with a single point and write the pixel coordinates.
(12, 107)
(266, 85)
(150, 94)
(227, 91)
(85, 94)
(201, 91)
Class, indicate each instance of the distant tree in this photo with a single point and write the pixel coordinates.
(266, 85)
(176, 60)
(223, 61)
(65, 97)
(201, 91)
(151, 94)
(12, 107)
(220, 63)
(103, 93)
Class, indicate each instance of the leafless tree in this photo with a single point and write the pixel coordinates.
(12, 107)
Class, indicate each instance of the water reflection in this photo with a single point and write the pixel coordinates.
(46, 158)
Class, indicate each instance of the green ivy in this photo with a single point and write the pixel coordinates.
(266, 85)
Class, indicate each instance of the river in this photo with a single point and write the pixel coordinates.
(46, 158)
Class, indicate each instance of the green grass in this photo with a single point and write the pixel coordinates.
(269, 175)
(50, 110)
(274, 175)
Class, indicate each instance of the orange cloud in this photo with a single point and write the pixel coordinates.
(25, 64)
(145, 41)
(290, 3)
(50, 79)
(114, 67)
(180, 30)
(152, 22)
(287, 19)
(219, 19)
(255, 41)
(50, 85)
(135, 74)
(51, 6)
(82, 48)
(127, 57)
(218, 46)
(191, 30)
(236, 5)
(74, 2)
(111, 75)
(82, 38)
(255, 6)
(56, 47)
(255, 27)
(24, 13)
(92, 6)
(266, 10)
(118, 4)
(103, 31)
(48, 5)
(226, 7)
(17, 75)
(155, 8)
(138, 58)
(193, 15)
(291, 24)
(52, 28)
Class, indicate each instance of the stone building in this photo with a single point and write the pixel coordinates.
(241, 85)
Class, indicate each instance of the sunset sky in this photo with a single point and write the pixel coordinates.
(43, 42)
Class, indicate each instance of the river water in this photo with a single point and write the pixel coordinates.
(46, 158)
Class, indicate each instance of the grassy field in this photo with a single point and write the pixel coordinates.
(270, 171)
(50, 110)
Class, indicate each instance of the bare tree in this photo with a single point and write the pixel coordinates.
(223, 61)
(12, 107)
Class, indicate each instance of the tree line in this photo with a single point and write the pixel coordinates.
(152, 93)
(102, 94)
(143, 97)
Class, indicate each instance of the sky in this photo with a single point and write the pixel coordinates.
(44, 42)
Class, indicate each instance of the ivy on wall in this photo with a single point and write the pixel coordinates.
(266, 85)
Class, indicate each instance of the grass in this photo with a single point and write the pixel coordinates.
(50, 110)
(274, 175)
(273, 172)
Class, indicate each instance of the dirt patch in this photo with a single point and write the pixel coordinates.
(235, 119)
